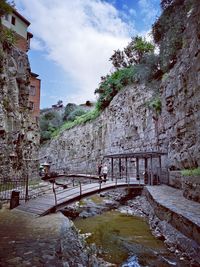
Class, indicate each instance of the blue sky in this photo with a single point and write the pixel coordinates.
(73, 41)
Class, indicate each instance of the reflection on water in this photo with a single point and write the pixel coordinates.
(125, 240)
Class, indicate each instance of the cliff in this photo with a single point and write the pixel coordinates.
(19, 135)
(128, 124)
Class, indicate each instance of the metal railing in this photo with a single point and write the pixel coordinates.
(8, 185)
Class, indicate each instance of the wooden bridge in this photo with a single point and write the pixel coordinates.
(61, 197)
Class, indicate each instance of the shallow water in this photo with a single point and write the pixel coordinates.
(126, 240)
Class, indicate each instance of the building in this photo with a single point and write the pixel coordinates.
(34, 96)
(19, 25)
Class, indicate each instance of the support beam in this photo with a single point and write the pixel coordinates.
(126, 166)
(146, 174)
(151, 183)
(120, 168)
(112, 169)
(160, 170)
(137, 169)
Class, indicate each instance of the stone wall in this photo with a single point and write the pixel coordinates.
(19, 136)
(191, 188)
(128, 125)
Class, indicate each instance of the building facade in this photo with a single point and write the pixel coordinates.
(16, 22)
(34, 96)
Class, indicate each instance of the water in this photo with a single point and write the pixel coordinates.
(125, 240)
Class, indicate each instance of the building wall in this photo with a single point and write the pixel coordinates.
(21, 43)
(20, 26)
(34, 97)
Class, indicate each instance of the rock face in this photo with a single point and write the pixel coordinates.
(128, 125)
(19, 136)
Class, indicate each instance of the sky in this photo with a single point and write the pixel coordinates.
(74, 39)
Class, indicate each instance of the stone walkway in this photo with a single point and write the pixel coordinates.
(180, 212)
(173, 199)
(43, 241)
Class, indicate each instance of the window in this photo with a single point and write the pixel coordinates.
(31, 105)
(32, 90)
(13, 20)
(6, 17)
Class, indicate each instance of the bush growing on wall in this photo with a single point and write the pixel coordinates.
(167, 32)
(76, 113)
(136, 62)
(112, 84)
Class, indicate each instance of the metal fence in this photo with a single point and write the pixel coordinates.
(8, 185)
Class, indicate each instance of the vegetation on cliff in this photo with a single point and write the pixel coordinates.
(7, 38)
(191, 172)
(131, 65)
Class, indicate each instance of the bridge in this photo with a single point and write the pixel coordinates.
(60, 197)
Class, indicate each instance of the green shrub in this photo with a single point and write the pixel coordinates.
(168, 32)
(6, 7)
(112, 84)
(191, 172)
(76, 113)
(156, 105)
(7, 38)
(49, 122)
(45, 136)
(87, 117)
(132, 53)
(70, 107)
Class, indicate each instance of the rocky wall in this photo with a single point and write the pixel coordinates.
(126, 125)
(19, 135)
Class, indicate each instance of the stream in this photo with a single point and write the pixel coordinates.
(119, 238)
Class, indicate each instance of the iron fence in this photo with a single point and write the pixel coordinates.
(9, 185)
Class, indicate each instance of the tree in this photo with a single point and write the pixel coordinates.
(132, 54)
(70, 107)
(6, 7)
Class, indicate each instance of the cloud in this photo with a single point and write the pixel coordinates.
(79, 36)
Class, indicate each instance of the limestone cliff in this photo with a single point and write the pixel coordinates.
(129, 125)
(18, 134)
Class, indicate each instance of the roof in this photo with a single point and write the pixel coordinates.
(34, 74)
(141, 154)
(21, 17)
(30, 35)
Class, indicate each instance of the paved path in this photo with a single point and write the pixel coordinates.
(43, 205)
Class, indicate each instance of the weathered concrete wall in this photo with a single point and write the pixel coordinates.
(19, 136)
(128, 125)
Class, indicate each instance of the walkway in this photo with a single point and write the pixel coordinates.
(170, 205)
(45, 204)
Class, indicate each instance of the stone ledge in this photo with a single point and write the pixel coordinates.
(170, 205)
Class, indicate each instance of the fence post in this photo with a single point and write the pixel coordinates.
(26, 194)
(80, 188)
(99, 186)
(54, 191)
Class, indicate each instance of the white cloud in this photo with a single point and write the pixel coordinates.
(79, 36)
